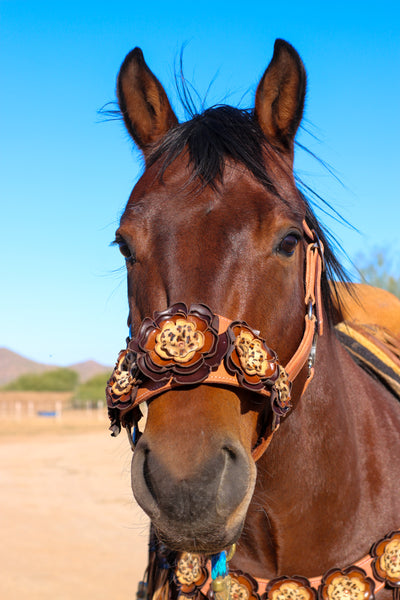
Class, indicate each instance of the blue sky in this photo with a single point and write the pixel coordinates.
(65, 175)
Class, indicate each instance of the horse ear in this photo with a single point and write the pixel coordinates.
(280, 96)
(143, 102)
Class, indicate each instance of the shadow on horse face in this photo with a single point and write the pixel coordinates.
(216, 218)
(192, 469)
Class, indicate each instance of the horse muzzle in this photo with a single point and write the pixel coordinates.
(196, 504)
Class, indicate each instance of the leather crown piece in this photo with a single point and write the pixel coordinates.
(181, 346)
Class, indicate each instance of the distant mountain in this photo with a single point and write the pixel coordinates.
(89, 368)
(12, 365)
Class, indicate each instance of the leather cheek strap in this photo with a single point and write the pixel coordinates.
(313, 327)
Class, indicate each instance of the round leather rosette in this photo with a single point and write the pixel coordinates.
(242, 586)
(386, 564)
(190, 573)
(281, 393)
(122, 388)
(289, 588)
(178, 343)
(349, 584)
(249, 358)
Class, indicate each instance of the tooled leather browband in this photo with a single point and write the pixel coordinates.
(189, 346)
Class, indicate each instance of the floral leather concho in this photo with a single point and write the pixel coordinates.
(181, 346)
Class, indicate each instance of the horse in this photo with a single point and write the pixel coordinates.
(262, 431)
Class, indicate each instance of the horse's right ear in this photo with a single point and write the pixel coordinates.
(280, 96)
(143, 102)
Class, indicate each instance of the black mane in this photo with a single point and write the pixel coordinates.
(224, 132)
(213, 136)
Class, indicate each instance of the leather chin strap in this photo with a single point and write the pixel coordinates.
(305, 353)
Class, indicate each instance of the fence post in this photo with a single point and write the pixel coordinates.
(18, 410)
(58, 410)
(100, 414)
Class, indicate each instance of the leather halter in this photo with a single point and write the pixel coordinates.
(139, 378)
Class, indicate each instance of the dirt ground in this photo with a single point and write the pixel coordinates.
(69, 527)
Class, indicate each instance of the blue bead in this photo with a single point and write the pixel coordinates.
(218, 565)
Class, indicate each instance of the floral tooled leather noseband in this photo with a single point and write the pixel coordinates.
(181, 346)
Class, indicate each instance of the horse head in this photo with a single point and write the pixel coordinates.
(216, 221)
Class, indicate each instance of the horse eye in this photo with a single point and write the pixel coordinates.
(126, 252)
(288, 244)
(124, 249)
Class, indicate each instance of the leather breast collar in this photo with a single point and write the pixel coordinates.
(188, 575)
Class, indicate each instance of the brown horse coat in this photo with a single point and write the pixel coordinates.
(214, 223)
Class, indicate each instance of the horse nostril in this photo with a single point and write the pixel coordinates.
(146, 472)
(232, 454)
(141, 479)
(235, 478)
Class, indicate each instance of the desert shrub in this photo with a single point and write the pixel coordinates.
(380, 269)
(92, 391)
(57, 380)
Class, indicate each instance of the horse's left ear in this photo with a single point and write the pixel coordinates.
(280, 96)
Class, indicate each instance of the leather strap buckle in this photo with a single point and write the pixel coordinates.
(318, 246)
(313, 352)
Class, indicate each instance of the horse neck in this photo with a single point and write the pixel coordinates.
(306, 512)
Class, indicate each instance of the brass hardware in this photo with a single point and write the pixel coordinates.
(221, 586)
(231, 552)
